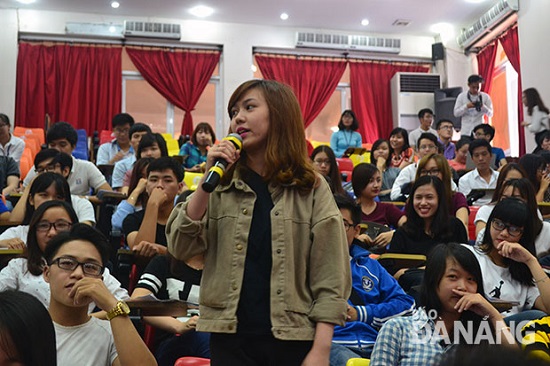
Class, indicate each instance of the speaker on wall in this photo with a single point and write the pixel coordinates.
(438, 51)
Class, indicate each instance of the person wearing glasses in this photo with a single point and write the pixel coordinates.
(324, 162)
(506, 255)
(10, 146)
(25, 274)
(444, 129)
(75, 271)
(119, 148)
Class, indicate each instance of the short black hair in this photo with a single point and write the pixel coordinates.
(139, 127)
(62, 130)
(475, 79)
(344, 202)
(165, 163)
(464, 140)
(149, 140)
(423, 111)
(4, 118)
(427, 136)
(64, 160)
(79, 232)
(487, 129)
(121, 119)
(443, 120)
(354, 125)
(44, 154)
(40, 184)
(480, 143)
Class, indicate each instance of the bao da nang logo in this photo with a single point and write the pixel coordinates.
(433, 330)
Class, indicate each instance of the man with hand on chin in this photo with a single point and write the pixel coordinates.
(75, 264)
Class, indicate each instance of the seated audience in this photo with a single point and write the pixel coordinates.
(194, 151)
(145, 229)
(451, 295)
(402, 154)
(444, 129)
(76, 262)
(426, 118)
(137, 197)
(543, 142)
(119, 148)
(537, 173)
(325, 164)
(26, 331)
(10, 146)
(44, 187)
(168, 278)
(461, 154)
(84, 174)
(427, 144)
(366, 181)
(376, 296)
(483, 176)
(347, 135)
(25, 274)
(428, 224)
(9, 175)
(487, 132)
(380, 156)
(511, 272)
(122, 166)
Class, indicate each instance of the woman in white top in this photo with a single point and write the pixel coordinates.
(511, 272)
(25, 274)
(537, 111)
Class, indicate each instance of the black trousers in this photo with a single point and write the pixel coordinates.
(251, 350)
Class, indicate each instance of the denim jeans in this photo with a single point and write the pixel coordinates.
(339, 354)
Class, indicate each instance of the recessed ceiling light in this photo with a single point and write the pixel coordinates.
(26, 2)
(115, 4)
(364, 22)
(284, 16)
(201, 11)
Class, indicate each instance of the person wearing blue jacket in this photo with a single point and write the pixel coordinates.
(375, 296)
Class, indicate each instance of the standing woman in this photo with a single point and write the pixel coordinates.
(402, 154)
(194, 151)
(380, 156)
(537, 111)
(325, 163)
(346, 136)
(276, 273)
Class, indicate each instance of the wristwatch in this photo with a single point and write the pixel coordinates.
(121, 308)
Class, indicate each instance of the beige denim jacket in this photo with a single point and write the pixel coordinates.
(310, 276)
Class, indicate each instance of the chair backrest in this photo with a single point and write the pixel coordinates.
(26, 163)
(192, 179)
(471, 222)
(32, 142)
(105, 136)
(344, 164)
(192, 361)
(24, 131)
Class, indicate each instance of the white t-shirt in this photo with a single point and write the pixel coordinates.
(498, 283)
(88, 344)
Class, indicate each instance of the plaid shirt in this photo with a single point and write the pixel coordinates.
(408, 341)
(193, 154)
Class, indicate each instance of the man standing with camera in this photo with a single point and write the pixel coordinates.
(472, 105)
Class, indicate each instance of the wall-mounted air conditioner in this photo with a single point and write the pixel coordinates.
(410, 92)
(110, 30)
(348, 42)
(492, 23)
(152, 30)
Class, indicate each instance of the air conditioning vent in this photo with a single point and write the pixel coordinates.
(348, 42)
(419, 83)
(152, 30)
(498, 15)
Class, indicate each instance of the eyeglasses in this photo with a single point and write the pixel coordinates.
(59, 225)
(432, 172)
(498, 225)
(347, 225)
(49, 168)
(446, 127)
(427, 147)
(479, 134)
(70, 264)
(3, 125)
(321, 162)
(121, 130)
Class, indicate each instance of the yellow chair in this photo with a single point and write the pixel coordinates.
(192, 179)
(358, 362)
(173, 147)
(318, 143)
(358, 159)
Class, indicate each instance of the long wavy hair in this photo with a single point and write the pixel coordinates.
(286, 161)
(533, 99)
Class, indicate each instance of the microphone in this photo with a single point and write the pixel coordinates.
(215, 173)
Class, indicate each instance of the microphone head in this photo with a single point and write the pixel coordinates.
(236, 139)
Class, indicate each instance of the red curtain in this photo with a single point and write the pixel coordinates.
(371, 95)
(313, 81)
(178, 75)
(75, 83)
(510, 45)
(486, 65)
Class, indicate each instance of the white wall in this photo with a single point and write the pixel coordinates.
(237, 41)
(534, 45)
(8, 61)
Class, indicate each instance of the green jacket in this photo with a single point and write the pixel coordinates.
(310, 276)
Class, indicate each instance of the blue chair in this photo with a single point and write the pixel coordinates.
(81, 149)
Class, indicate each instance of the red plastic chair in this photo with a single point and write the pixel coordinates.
(105, 136)
(344, 164)
(471, 223)
(192, 361)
